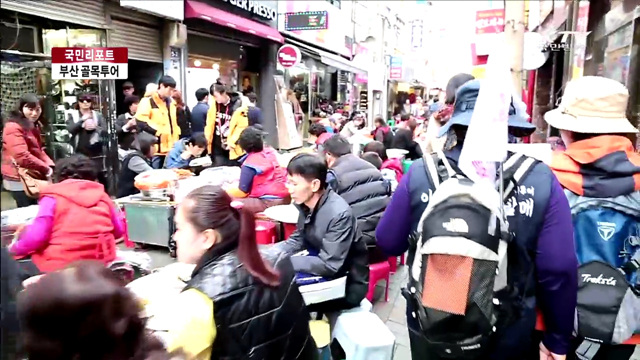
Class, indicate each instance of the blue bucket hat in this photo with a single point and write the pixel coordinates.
(466, 97)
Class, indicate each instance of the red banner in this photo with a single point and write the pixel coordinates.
(490, 21)
(115, 55)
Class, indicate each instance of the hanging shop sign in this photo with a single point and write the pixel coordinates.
(395, 70)
(490, 21)
(89, 63)
(256, 7)
(289, 56)
(308, 20)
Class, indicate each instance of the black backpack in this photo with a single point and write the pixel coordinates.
(458, 280)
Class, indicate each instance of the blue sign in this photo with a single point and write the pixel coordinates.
(396, 61)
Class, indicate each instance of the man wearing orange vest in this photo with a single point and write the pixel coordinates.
(159, 111)
(226, 119)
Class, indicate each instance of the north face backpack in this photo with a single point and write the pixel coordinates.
(607, 238)
(458, 277)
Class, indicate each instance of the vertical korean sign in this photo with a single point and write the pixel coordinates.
(395, 70)
(89, 63)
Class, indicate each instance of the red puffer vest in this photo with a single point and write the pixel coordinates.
(82, 226)
(270, 177)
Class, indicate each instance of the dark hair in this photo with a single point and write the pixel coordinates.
(337, 146)
(310, 167)
(210, 208)
(130, 100)
(405, 117)
(31, 101)
(145, 145)
(412, 124)
(452, 86)
(379, 120)
(167, 81)
(198, 139)
(378, 148)
(252, 97)
(251, 140)
(125, 140)
(218, 88)
(372, 158)
(201, 94)
(84, 312)
(177, 96)
(127, 85)
(77, 167)
(317, 129)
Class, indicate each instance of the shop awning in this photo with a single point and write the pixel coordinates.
(340, 62)
(196, 9)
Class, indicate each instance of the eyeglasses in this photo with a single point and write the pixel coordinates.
(86, 100)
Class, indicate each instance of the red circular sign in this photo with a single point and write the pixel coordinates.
(288, 56)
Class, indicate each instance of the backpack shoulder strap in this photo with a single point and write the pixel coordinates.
(431, 168)
(515, 169)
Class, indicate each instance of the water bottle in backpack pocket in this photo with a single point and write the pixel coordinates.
(607, 238)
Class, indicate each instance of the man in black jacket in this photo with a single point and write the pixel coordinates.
(362, 186)
(129, 130)
(326, 227)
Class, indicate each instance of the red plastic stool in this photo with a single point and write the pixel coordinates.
(377, 272)
(402, 259)
(265, 232)
(393, 264)
(288, 230)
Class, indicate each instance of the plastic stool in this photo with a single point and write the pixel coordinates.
(402, 259)
(363, 336)
(288, 230)
(377, 272)
(393, 264)
(265, 232)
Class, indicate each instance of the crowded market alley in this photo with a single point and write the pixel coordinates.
(330, 179)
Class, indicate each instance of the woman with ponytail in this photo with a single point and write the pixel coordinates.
(237, 304)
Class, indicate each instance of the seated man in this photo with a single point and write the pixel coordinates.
(262, 179)
(186, 150)
(362, 186)
(327, 230)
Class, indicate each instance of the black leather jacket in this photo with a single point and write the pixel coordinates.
(254, 321)
(331, 229)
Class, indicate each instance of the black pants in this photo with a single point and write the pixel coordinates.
(221, 160)
(22, 200)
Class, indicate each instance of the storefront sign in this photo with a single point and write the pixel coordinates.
(490, 21)
(308, 20)
(170, 9)
(289, 56)
(395, 70)
(89, 63)
(336, 38)
(256, 7)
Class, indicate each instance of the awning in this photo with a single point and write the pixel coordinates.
(196, 9)
(340, 62)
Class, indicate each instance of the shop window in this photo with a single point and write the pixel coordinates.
(203, 71)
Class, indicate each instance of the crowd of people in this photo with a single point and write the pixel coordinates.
(358, 206)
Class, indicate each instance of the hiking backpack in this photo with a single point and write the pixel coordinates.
(607, 239)
(458, 276)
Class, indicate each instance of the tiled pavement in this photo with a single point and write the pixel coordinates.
(393, 312)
